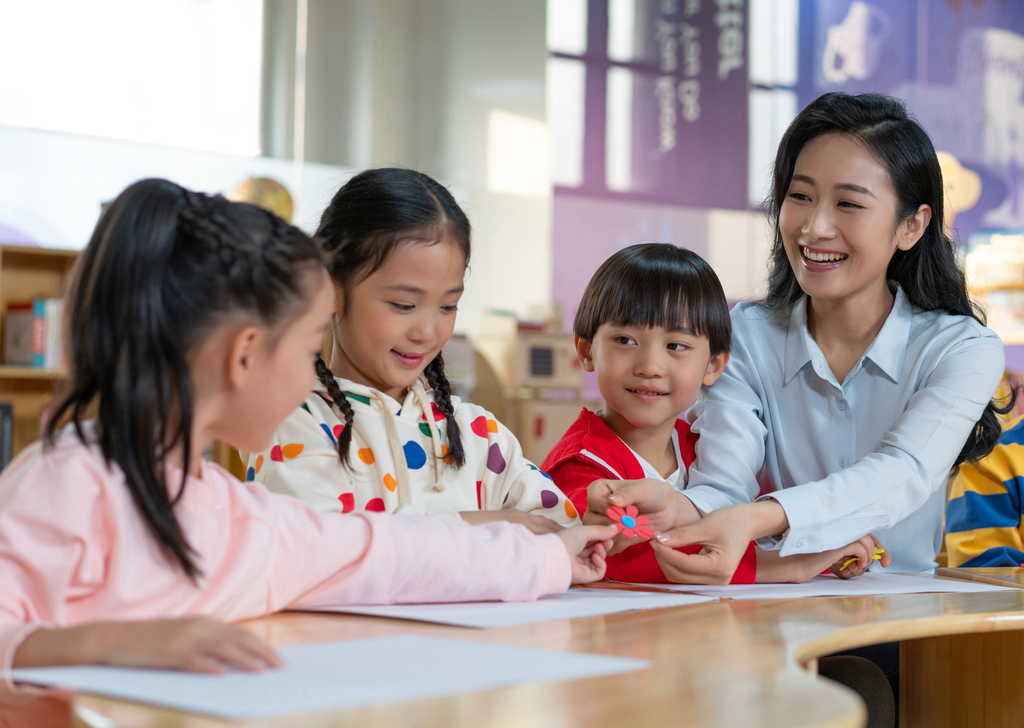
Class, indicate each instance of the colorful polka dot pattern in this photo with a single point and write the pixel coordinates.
(292, 450)
(415, 457)
(390, 483)
(250, 474)
(376, 505)
(366, 455)
(435, 410)
(483, 427)
(548, 499)
(348, 502)
(569, 509)
(495, 460)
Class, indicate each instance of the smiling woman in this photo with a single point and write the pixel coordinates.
(866, 374)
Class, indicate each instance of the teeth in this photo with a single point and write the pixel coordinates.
(822, 257)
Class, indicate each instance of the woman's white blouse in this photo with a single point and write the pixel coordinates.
(871, 455)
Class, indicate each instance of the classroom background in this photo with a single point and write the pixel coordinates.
(568, 129)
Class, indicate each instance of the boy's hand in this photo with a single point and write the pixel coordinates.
(537, 524)
(772, 568)
(194, 644)
(587, 547)
(655, 499)
(864, 550)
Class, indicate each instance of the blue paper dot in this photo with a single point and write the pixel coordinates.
(628, 522)
(415, 457)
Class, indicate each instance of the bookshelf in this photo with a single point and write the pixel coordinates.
(27, 273)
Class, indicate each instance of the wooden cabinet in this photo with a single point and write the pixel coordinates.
(27, 273)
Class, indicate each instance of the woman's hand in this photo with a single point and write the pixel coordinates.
(538, 524)
(193, 644)
(587, 547)
(724, 535)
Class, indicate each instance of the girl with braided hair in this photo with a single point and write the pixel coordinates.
(193, 319)
(382, 431)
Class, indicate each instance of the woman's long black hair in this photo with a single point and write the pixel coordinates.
(928, 272)
(369, 218)
(164, 267)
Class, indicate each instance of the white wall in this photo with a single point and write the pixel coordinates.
(52, 184)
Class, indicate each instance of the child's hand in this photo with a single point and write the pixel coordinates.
(538, 524)
(655, 499)
(587, 547)
(863, 550)
(194, 644)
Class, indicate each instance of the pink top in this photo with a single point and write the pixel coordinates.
(73, 549)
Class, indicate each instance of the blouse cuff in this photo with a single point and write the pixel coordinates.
(806, 523)
(707, 499)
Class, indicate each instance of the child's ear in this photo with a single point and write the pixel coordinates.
(715, 368)
(584, 352)
(243, 354)
(339, 300)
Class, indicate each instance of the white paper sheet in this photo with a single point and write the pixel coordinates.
(833, 586)
(336, 675)
(569, 605)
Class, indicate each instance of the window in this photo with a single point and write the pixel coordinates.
(177, 72)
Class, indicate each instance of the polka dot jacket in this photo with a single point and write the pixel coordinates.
(398, 459)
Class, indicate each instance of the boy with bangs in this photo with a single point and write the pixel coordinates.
(654, 328)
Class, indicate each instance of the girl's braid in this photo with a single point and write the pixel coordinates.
(341, 402)
(443, 397)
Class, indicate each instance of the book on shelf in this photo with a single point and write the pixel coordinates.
(18, 334)
(6, 434)
(34, 334)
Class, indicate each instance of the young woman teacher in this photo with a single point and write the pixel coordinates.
(860, 381)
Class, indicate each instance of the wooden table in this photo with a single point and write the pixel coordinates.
(728, 663)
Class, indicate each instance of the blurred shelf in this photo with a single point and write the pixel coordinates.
(12, 372)
(981, 290)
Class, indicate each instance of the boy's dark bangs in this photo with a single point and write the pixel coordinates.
(645, 304)
(650, 300)
(656, 285)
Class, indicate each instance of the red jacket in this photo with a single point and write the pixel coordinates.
(590, 451)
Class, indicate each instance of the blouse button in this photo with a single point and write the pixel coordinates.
(842, 462)
(842, 406)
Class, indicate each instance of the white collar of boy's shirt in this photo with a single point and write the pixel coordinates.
(887, 351)
(650, 472)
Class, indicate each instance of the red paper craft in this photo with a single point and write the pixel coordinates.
(629, 524)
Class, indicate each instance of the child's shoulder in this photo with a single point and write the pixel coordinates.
(63, 476)
(588, 438)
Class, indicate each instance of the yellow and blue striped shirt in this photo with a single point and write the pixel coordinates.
(983, 515)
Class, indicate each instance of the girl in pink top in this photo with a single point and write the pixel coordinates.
(193, 319)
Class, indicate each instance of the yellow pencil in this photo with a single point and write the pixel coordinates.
(876, 557)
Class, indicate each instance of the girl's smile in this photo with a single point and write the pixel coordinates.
(389, 326)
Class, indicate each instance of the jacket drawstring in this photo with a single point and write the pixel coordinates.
(435, 434)
(395, 445)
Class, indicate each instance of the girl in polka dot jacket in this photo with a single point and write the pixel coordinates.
(382, 432)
